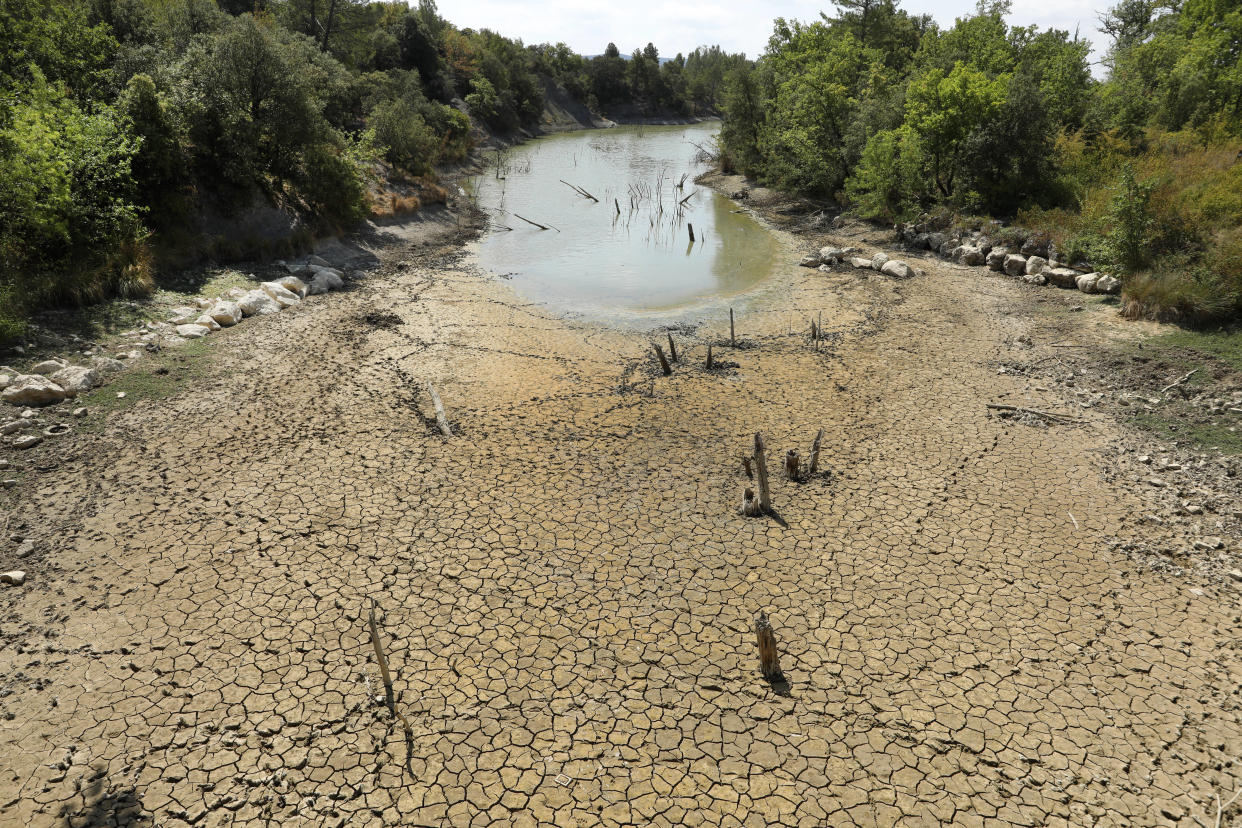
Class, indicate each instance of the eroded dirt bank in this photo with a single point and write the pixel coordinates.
(567, 591)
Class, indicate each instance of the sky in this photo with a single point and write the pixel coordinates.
(737, 26)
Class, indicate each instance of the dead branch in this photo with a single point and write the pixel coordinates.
(1179, 381)
(535, 223)
(1046, 414)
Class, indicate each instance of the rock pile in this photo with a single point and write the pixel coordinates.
(829, 256)
(55, 380)
(1034, 261)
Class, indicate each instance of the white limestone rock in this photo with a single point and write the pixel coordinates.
(75, 379)
(32, 389)
(192, 331)
(258, 303)
(285, 297)
(225, 313)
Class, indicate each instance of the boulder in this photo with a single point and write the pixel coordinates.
(827, 254)
(225, 313)
(810, 261)
(1064, 277)
(207, 322)
(996, 259)
(203, 303)
(1085, 282)
(920, 241)
(1035, 279)
(107, 365)
(1108, 284)
(193, 331)
(1036, 246)
(292, 284)
(48, 367)
(1036, 265)
(75, 379)
(968, 255)
(285, 298)
(183, 315)
(859, 262)
(936, 240)
(984, 244)
(326, 279)
(949, 246)
(258, 303)
(15, 577)
(878, 261)
(6, 380)
(32, 389)
(316, 261)
(1015, 265)
(897, 269)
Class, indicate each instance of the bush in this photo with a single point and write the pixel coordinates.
(67, 209)
(406, 139)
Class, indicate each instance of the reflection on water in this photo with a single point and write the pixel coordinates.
(626, 249)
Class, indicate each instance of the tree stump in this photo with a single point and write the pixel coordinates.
(746, 463)
(761, 467)
(708, 365)
(793, 465)
(442, 422)
(769, 661)
(664, 366)
(750, 504)
(814, 464)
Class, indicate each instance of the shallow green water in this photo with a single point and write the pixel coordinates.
(629, 265)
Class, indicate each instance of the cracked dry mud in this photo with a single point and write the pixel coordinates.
(567, 592)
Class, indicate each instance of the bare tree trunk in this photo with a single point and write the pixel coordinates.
(327, 31)
(814, 465)
(769, 660)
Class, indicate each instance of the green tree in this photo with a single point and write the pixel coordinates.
(944, 109)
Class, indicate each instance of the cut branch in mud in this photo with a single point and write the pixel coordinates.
(1014, 409)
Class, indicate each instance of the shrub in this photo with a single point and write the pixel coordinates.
(406, 139)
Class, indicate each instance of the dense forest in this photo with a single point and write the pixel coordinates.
(1139, 173)
(124, 122)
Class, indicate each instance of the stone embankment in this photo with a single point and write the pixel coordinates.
(1033, 261)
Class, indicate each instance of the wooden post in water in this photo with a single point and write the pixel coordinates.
(761, 467)
(814, 464)
(732, 338)
(441, 418)
(664, 366)
(691, 226)
(672, 348)
(617, 202)
(769, 660)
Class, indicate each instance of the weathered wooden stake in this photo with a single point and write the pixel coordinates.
(441, 418)
(750, 471)
(672, 348)
(732, 338)
(761, 467)
(389, 698)
(793, 464)
(708, 365)
(691, 226)
(814, 332)
(769, 660)
(617, 202)
(664, 366)
(814, 465)
(750, 505)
